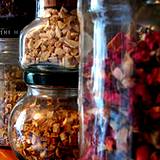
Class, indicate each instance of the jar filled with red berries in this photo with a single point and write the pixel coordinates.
(119, 96)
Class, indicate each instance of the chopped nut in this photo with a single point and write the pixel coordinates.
(71, 43)
(56, 128)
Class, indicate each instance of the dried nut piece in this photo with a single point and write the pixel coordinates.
(55, 38)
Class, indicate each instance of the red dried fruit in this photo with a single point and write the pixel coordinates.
(158, 99)
(154, 77)
(142, 153)
(155, 156)
(141, 52)
(154, 113)
(110, 144)
(130, 101)
(139, 90)
(88, 153)
(116, 42)
(112, 98)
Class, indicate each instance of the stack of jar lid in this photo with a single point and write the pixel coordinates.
(44, 124)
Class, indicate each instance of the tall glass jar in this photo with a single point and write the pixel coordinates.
(53, 37)
(44, 124)
(119, 98)
(12, 86)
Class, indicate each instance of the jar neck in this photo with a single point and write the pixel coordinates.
(41, 5)
(50, 91)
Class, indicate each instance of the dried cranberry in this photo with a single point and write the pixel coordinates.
(110, 143)
(142, 153)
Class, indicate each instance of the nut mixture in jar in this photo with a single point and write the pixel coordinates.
(55, 40)
(46, 129)
(12, 88)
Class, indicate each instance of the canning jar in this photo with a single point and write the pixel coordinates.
(119, 89)
(15, 15)
(12, 86)
(44, 124)
(53, 37)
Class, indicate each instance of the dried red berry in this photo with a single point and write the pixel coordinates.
(110, 144)
(142, 153)
(155, 156)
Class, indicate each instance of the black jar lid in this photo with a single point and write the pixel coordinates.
(51, 75)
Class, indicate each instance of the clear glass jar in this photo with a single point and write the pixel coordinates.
(44, 124)
(53, 37)
(12, 86)
(119, 98)
(14, 16)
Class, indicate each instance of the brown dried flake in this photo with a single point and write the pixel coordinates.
(49, 133)
(12, 88)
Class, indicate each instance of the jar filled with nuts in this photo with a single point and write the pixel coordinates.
(12, 86)
(53, 37)
(44, 124)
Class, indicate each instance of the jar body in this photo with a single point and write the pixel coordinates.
(44, 124)
(12, 86)
(119, 80)
(53, 37)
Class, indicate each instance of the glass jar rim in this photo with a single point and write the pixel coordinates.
(51, 75)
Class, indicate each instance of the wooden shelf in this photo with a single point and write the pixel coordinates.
(7, 154)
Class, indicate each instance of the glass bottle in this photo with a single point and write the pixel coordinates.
(12, 86)
(52, 38)
(119, 89)
(44, 124)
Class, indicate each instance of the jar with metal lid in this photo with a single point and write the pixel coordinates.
(119, 89)
(44, 124)
(53, 37)
(12, 86)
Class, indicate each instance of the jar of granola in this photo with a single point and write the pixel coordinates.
(12, 86)
(119, 89)
(44, 124)
(53, 37)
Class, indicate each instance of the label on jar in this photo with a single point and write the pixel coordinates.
(14, 16)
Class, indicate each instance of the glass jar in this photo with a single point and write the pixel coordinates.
(119, 89)
(12, 86)
(14, 15)
(53, 37)
(44, 124)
